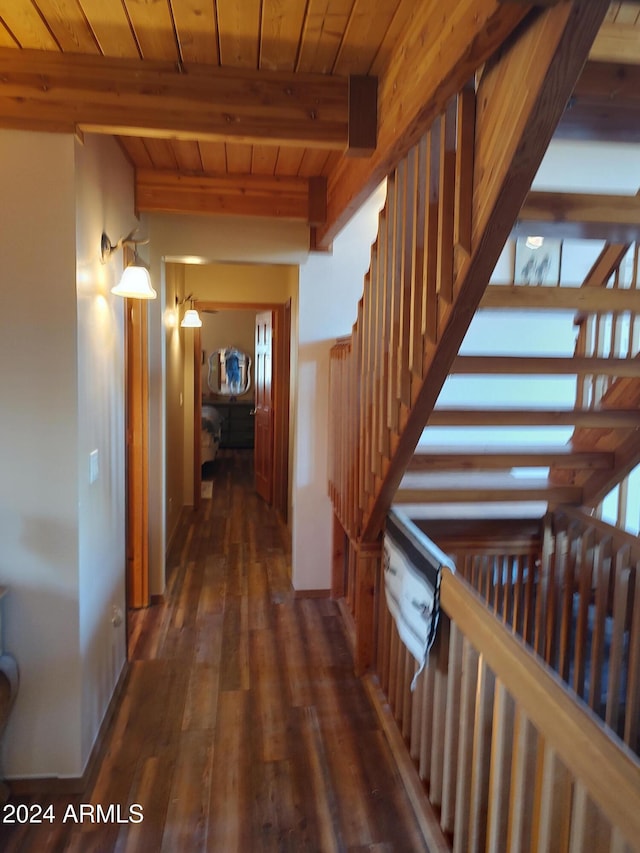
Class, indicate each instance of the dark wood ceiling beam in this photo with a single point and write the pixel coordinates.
(592, 418)
(530, 81)
(232, 195)
(483, 459)
(605, 104)
(615, 218)
(153, 99)
(474, 365)
(587, 299)
(439, 53)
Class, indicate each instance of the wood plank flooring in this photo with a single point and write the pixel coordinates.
(241, 727)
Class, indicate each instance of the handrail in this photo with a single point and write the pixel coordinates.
(609, 771)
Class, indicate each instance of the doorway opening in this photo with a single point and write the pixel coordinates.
(248, 410)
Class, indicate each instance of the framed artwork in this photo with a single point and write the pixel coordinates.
(537, 261)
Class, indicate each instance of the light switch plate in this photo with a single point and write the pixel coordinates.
(94, 466)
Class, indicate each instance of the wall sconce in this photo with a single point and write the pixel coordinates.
(191, 319)
(136, 281)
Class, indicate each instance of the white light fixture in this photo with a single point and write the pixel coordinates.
(191, 319)
(534, 242)
(136, 281)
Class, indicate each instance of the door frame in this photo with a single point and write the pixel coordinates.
(281, 383)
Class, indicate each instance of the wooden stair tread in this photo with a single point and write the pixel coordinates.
(483, 457)
(453, 487)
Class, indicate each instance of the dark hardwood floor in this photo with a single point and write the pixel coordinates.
(241, 726)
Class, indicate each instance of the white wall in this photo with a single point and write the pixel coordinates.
(104, 202)
(38, 450)
(330, 287)
(62, 554)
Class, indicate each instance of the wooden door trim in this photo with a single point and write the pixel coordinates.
(137, 453)
(197, 419)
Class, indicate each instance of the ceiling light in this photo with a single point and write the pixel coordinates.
(534, 242)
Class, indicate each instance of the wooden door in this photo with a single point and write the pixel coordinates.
(263, 453)
(137, 430)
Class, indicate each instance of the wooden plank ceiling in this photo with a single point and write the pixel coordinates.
(115, 65)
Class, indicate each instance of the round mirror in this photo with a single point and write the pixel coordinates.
(229, 372)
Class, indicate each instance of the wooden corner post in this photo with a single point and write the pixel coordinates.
(368, 559)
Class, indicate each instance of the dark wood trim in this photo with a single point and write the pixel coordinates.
(56, 786)
(312, 593)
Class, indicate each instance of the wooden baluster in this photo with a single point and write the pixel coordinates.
(523, 779)
(403, 352)
(363, 400)
(546, 556)
(566, 617)
(470, 660)
(416, 719)
(355, 389)
(632, 720)
(553, 794)
(384, 447)
(532, 564)
(582, 623)
(589, 830)
(556, 571)
(430, 303)
(447, 200)
(452, 730)
(418, 320)
(441, 655)
(393, 406)
(410, 668)
(465, 149)
(481, 759)
(507, 590)
(368, 559)
(616, 652)
(519, 619)
(426, 735)
(368, 479)
(603, 569)
(500, 774)
(393, 666)
(378, 352)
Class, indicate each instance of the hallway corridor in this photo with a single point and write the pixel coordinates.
(241, 727)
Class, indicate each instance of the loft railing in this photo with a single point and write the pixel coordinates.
(508, 756)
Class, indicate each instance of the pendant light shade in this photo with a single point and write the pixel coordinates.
(135, 284)
(191, 319)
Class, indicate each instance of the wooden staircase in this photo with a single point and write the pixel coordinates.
(451, 204)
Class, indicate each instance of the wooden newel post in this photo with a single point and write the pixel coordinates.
(368, 559)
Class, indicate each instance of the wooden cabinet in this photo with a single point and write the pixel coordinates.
(237, 430)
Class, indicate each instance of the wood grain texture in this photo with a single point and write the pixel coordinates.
(242, 726)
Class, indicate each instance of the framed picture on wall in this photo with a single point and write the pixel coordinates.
(537, 261)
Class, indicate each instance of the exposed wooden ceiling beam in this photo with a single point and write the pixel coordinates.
(616, 43)
(605, 104)
(587, 299)
(592, 418)
(530, 81)
(243, 195)
(615, 218)
(482, 459)
(545, 365)
(600, 483)
(440, 51)
(147, 98)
